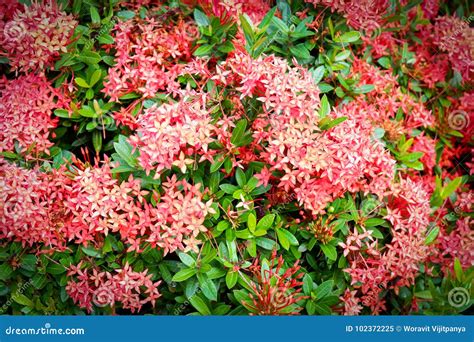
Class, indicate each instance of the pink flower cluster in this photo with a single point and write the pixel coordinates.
(318, 166)
(454, 36)
(168, 134)
(457, 243)
(89, 288)
(31, 206)
(88, 204)
(179, 217)
(373, 271)
(360, 14)
(26, 106)
(35, 36)
(147, 56)
(100, 204)
(255, 9)
(382, 104)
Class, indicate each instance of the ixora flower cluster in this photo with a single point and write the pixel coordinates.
(234, 157)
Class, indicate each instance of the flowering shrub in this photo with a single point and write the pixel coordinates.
(236, 157)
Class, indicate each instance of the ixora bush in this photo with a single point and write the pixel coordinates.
(236, 157)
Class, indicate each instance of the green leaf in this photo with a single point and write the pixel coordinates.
(81, 82)
(200, 305)
(223, 225)
(231, 278)
(267, 19)
(374, 221)
(342, 55)
(300, 51)
(363, 89)
(184, 274)
(226, 47)
(187, 259)
(5, 271)
(385, 62)
(411, 157)
(318, 73)
(266, 243)
(451, 187)
(207, 286)
(280, 25)
(238, 131)
(251, 222)
(310, 307)
(329, 251)
(322, 309)
(91, 251)
(108, 244)
(124, 150)
(126, 15)
(28, 262)
(376, 233)
(55, 269)
(284, 242)
(97, 140)
(95, 17)
(379, 133)
(246, 24)
(201, 18)
(325, 107)
(307, 284)
(95, 77)
(348, 37)
(458, 269)
(228, 188)
(87, 112)
(266, 222)
(328, 124)
(252, 247)
(426, 294)
(240, 177)
(89, 57)
(324, 289)
(203, 50)
(23, 300)
(106, 39)
(325, 88)
(286, 238)
(232, 249)
(432, 235)
(218, 161)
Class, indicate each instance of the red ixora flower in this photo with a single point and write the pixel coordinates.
(276, 291)
(36, 35)
(26, 106)
(94, 287)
